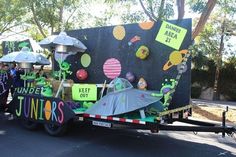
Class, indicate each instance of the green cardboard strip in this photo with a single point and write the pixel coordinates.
(84, 92)
(171, 35)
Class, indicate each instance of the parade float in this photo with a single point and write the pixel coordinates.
(134, 75)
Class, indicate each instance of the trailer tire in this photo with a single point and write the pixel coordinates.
(55, 130)
(28, 124)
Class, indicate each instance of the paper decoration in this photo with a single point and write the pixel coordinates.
(175, 58)
(171, 35)
(146, 25)
(142, 52)
(134, 40)
(142, 84)
(112, 68)
(82, 74)
(85, 60)
(119, 32)
(84, 92)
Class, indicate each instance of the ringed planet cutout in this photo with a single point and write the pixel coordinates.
(119, 32)
(85, 60)
(175, 58)
(112, 68)
(146, 25)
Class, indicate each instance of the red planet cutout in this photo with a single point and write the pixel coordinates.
(112, 68)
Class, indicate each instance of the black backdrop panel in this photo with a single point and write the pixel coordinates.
(12, 46)
(102, 45)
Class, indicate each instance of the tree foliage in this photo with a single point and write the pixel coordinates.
(11, 14)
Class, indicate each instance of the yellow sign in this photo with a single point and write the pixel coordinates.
(171, 35)
(84, 92)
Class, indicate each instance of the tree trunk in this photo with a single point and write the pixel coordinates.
(216, 92)
(36, 20)
(203, 19)
(61, 24)
(180, 5)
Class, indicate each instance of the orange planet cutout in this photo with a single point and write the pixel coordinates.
(146, 25)
(119, 32)
(48, 110)
(175, 58)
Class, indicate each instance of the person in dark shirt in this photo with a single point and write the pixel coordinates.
(4, 95)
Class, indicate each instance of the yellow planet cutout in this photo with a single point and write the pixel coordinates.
(146, 25)
(119, 32)
(175, 58)
(48, 110)
(85, 60)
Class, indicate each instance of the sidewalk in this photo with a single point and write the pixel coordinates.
(221, 104)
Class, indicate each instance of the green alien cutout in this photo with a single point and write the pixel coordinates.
(47, 90)
(29, 77)
(64, 70)
(166, 91)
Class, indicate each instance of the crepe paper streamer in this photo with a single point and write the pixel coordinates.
(119, 32)
(85, 60)
(142, 52)
(175, 58)
(146, 25)
(171, 35)
(63, 56)
(84, 92)
(182, 68)
(112, 68)
(134, 39)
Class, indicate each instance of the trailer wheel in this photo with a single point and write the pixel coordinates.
(28, 124)
(55, 130)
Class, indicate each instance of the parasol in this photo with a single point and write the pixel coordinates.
(63, 39)
(25, 56)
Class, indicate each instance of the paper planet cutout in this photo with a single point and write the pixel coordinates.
(82, 74)
(112, 68)
(130, 76)
(119, 32)
(146, 25)
(142, 84)
(85, 60)
(142, 52)
(175, 58)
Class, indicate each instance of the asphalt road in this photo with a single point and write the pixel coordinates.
(83, 141)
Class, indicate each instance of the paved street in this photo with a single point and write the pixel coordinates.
(82, 141)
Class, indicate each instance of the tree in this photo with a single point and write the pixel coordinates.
(11, 14)
(48, 14)
(213, 39)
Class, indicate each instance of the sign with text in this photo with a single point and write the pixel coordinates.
(41, 109)
(84, 92)
(171, 35)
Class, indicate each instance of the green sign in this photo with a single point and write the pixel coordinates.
(171, 35)
(84, 92)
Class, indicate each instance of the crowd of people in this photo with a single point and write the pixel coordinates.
(14, 80)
